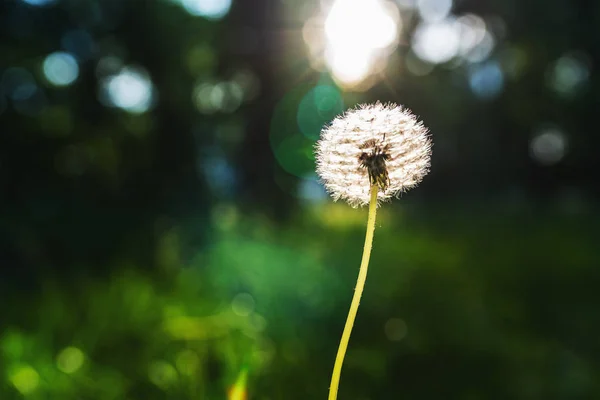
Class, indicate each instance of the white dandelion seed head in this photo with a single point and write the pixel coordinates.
(365, 129)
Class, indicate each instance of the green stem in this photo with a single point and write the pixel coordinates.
(360, 284)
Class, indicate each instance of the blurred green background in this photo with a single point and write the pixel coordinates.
(163, 234)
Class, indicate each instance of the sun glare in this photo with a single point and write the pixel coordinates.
(356, 37)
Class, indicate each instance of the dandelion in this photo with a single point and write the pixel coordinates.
(370, 154)
(385, 142)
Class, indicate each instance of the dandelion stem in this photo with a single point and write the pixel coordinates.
(360, 284)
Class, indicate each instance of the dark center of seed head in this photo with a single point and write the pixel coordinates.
(374, 162)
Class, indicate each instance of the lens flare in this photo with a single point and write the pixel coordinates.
(238, 391)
